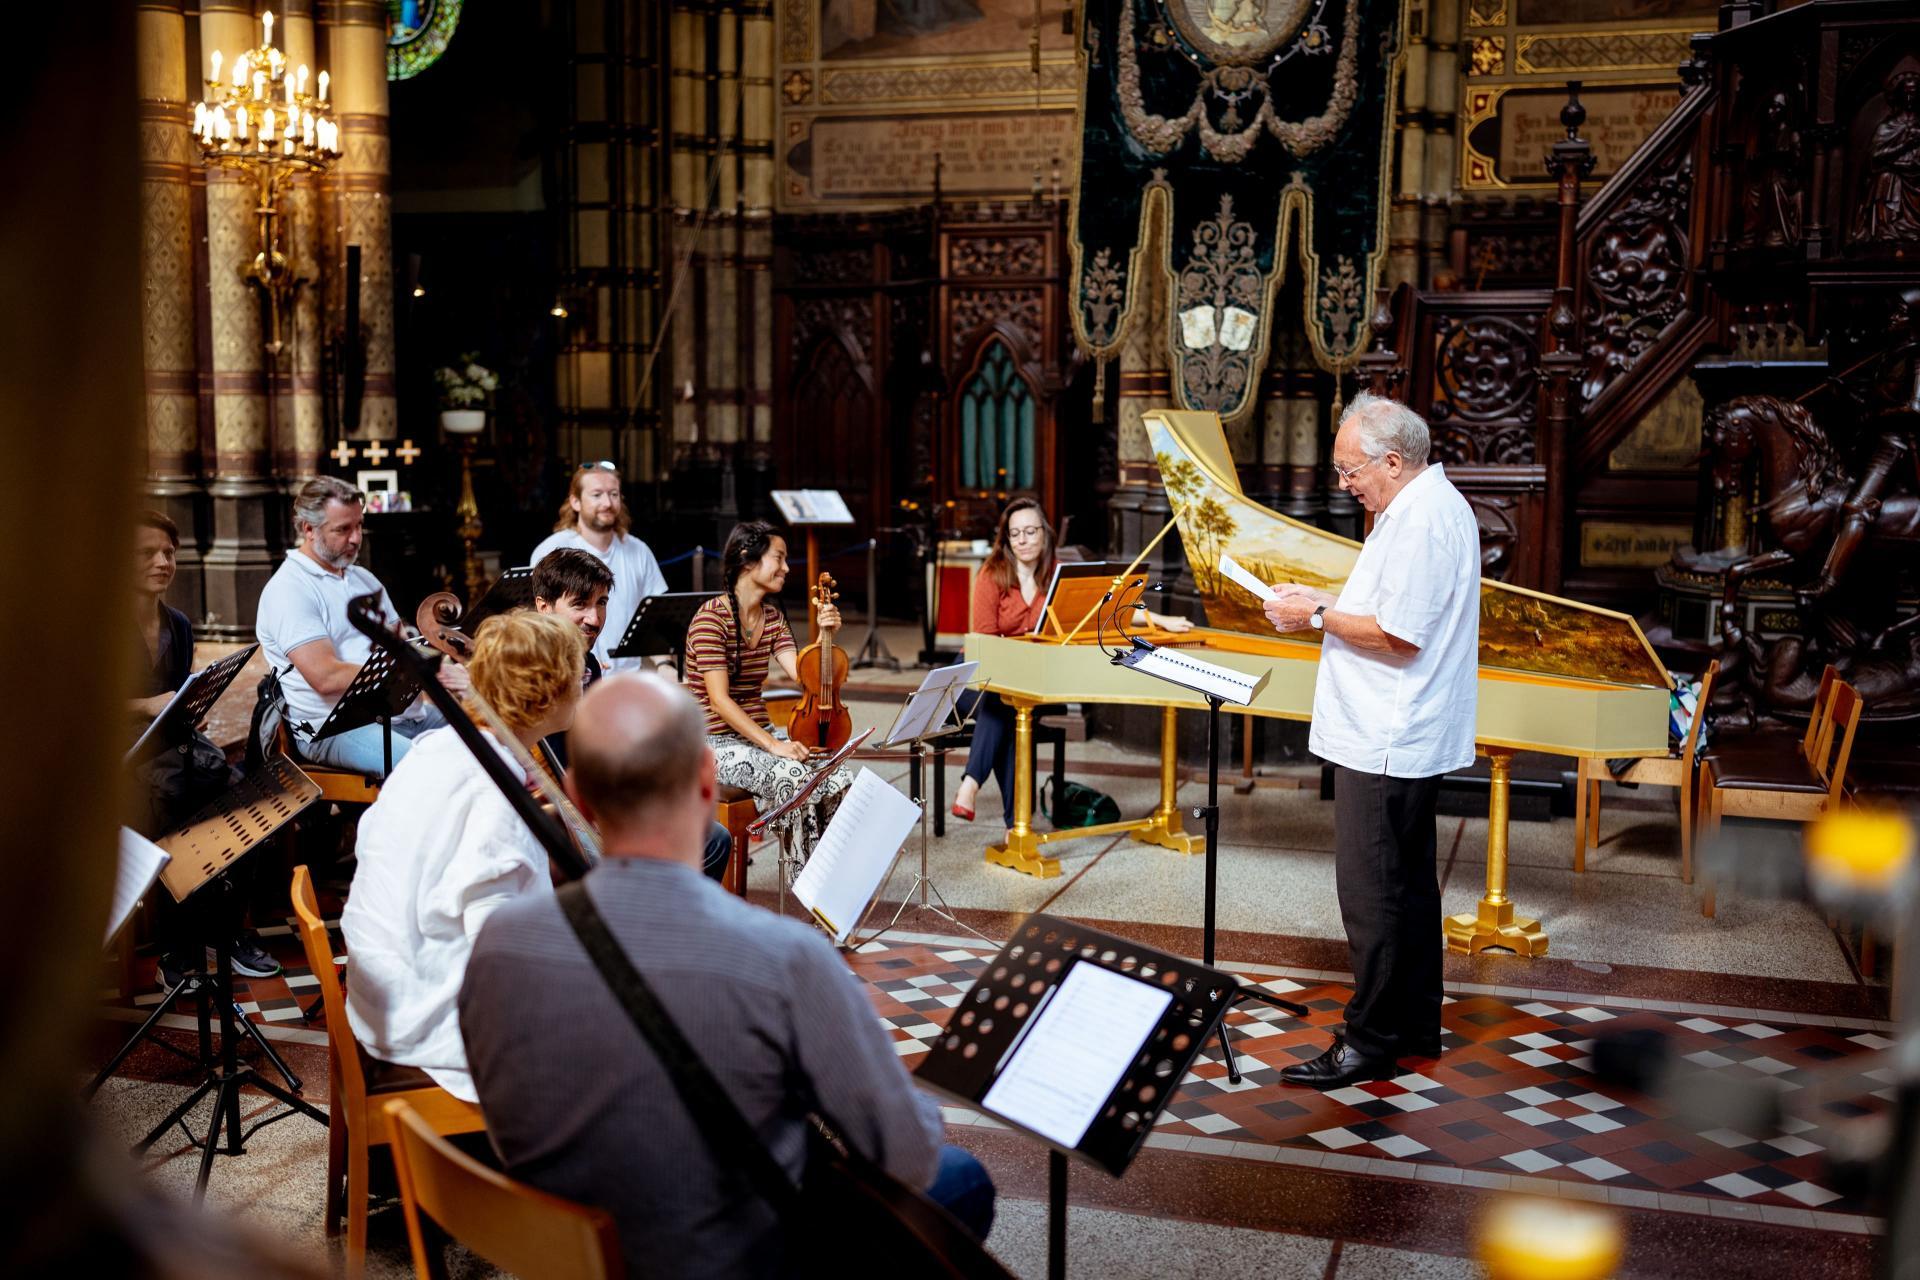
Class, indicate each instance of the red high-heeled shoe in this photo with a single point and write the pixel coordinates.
(961, 812)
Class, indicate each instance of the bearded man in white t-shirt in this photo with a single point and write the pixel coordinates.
(311, 645)
(594, 518)
(1393, 712)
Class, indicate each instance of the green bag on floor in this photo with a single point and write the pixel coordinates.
(1073, 804)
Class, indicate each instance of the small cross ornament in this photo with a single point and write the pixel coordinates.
(343, 453)
(375, 452)
(408, 452)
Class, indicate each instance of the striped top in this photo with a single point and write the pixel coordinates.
(710, 638)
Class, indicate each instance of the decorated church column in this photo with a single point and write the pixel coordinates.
(299, 436)
(357, 60)
(168, 159)
(239, 557)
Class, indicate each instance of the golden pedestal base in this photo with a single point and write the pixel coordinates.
(1495, 926)
(1164, 830)
(1021, 852)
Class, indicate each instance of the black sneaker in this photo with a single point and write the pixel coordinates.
(173, 973)
(251, 960)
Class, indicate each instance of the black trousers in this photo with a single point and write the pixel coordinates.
(1384, 847)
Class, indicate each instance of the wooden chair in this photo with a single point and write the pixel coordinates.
(735, 810)
(341, 786)
(523, 1231)
(1671, 770)
(359, 1085)
(1762, 779)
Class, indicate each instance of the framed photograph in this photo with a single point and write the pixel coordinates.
(381, 482)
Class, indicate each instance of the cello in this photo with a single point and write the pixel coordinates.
(821, 721)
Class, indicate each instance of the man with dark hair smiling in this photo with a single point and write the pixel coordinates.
(576, 1101)
(574, 585)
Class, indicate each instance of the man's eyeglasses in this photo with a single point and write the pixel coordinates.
(1347, 475)
(602, 465)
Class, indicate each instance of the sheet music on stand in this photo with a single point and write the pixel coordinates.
(512, 590)
(1096, 1035)
(140, 864)
(380, 691)
(1209, 679)
(659, 625)
(925, 714)
(855, 854)
(189, 704)
(812, 506)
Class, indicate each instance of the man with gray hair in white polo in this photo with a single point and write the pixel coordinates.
(1393, 711)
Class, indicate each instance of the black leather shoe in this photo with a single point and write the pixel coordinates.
(1341, 1064)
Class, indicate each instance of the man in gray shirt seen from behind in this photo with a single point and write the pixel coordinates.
(576, 1102)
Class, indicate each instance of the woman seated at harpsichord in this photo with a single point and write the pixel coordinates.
(442, 848)
(732, 642)
(1009, 596)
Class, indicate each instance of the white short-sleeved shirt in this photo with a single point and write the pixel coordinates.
(304, 601)
(1418, 575)
(437, 852)
(636, 575)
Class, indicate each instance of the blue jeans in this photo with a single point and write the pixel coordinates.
(363, 750)
(964, 1189)
(719, 847)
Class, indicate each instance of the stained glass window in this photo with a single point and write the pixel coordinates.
(996, 425)
(417, 34)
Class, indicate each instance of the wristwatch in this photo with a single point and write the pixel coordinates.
(1318, 621)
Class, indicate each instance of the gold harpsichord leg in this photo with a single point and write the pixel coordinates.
(1021, 850)
(1495, 924)
(1163, 826)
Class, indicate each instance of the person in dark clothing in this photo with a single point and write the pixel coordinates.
(165, 659)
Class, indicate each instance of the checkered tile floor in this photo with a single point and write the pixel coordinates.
(1512, 1093)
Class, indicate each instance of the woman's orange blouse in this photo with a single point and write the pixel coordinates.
(1002, 611)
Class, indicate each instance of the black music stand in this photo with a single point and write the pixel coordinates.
(1218, 685)
(246, 816)
(511, 590)
(1145, 1056)
(931, 711)
(190, 705)
(660, 626)
(380, 691)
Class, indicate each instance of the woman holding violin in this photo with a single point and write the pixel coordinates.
(1009, 595)
(733, 641)
(442, 848)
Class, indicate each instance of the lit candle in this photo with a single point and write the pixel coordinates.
(306, 128)
(259, 84)
(266, 24)
(216, 66)
(240, 70)
(323, 86)
(286, 144)
(199, 117)
(303, 77)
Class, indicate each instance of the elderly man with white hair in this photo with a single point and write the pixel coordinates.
(1393, 711)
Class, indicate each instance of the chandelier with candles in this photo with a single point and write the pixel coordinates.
(262, 119)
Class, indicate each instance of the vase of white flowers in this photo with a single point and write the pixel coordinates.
(464, 388)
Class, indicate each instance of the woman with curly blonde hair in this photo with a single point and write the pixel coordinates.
(441, 849)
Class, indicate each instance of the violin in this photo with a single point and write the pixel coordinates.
(436, 619)
(821, 721)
